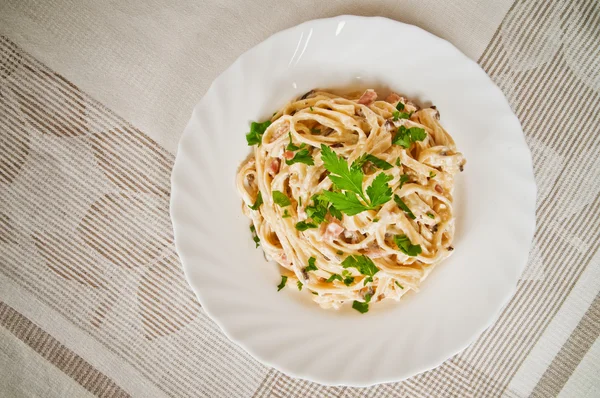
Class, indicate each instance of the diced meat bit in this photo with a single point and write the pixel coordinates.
(439, 188)
(392, 98)
(288, 155)
(273, 167)
(333, 230)
(368, 97)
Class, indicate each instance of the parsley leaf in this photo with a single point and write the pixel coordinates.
(333, 278)
(406, 246)
(299, 285)
(346, 202)
(315, 131)
(335, 212)
(400, 106)
(432, 174)
(259, 201)
(311, 108)
(256, 132)
(291, 146)
(255, 237)
(281, 199)
(380, 163)
(430, 215)
(344, 177)
(302, 156)
(286, 214)
(405, 137)
(311, 265)
(360, 307)
(398, 162)
(403, 178)
(318, 210)
(283, 282)
(399, 285)
(348, 278)
(403, 206)
(368, 297)
(303, 225)
(350, 180)
(379, 191)
(362, 263)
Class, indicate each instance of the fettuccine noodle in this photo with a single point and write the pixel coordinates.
(407, 144)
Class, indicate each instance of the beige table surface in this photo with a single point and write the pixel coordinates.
(93, 98)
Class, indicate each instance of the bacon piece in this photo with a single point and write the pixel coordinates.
(273, 167)
(368, 97)
(392, 98)
(332, 231)
(288, 155)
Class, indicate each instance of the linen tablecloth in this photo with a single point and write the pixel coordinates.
(93, 99)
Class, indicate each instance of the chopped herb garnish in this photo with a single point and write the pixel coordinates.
(380, 163)
(399, 285)
(362, 263)
(432, 174)
(335, 212)
(405, 137)
(255, 237)
(403, 178)
(302, 156)
(311, 108)
(350, 180)
(318, 210)
(311, 265)
(430, 215)
(334, 277)
(299, 200)
(299, 285)
(346, 202)
(315, 293)
(348, 278)
(286, 214)
(291, 146)
(281, 199)
(367, 280)
(376, 219)
(379, 191)
(360, 307)
(398, 163)
(274, 113)
(395, 115)
(406, 246)
(303, 225)
(254, 137)
(368, 297)
(343, 176)
(283, 282)
(258, 202)
(339, 252)
(404, 207)
(400, 106)
(315, 131)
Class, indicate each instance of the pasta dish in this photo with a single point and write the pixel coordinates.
(351, 195)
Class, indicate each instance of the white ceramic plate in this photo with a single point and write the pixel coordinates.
(495, 205)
